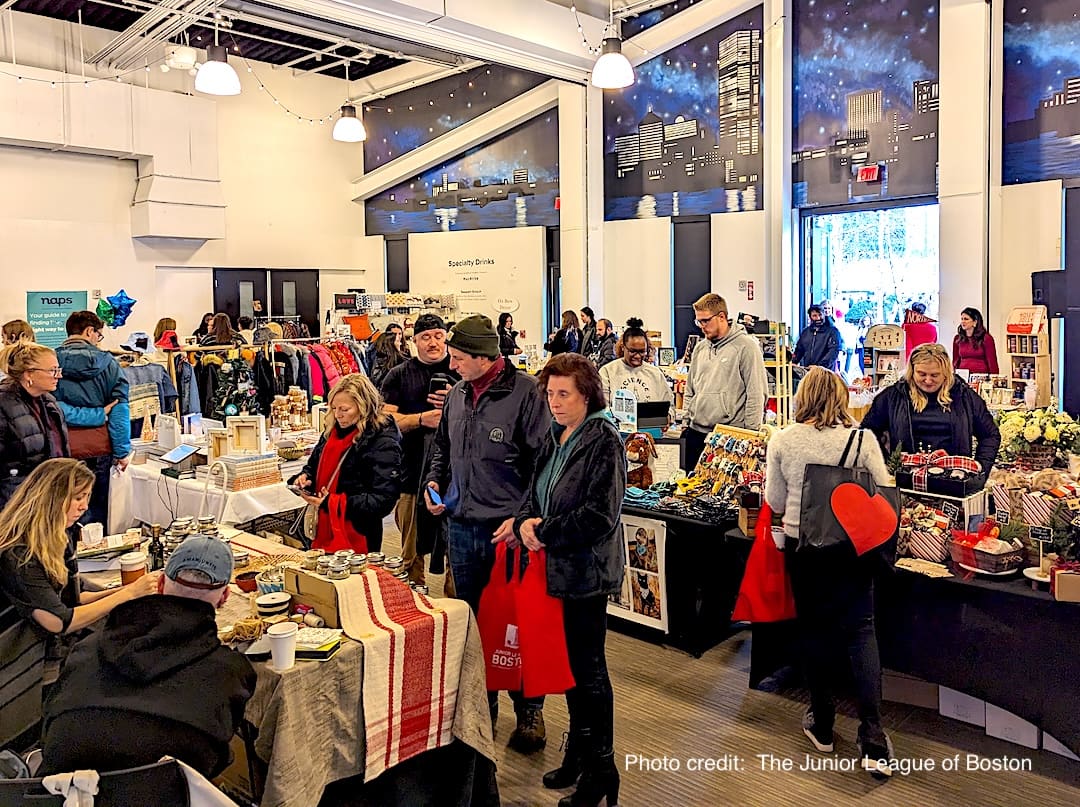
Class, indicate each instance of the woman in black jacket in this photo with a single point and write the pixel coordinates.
(573, 511)
(930, 409)
(508, 345)
(354, 474)
(568, 338)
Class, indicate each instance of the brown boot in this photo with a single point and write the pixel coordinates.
(530, 735)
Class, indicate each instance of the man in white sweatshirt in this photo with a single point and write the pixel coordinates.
(727, 383)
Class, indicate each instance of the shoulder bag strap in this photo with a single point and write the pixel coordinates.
(344, 456)
(847, 448)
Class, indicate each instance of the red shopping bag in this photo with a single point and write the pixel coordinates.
(765, 594)
(545, 665)
(497, 620)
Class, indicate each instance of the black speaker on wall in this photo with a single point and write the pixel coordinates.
(1049, 289)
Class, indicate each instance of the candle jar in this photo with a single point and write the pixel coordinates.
(339, 569)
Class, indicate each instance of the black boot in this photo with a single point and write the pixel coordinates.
(599, 781)
(566, 775)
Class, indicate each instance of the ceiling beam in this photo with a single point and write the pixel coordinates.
(681, 27)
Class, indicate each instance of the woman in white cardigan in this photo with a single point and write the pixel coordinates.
(833, 587)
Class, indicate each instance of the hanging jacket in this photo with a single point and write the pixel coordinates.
(187, 385)
(92, 378)
(263, 378)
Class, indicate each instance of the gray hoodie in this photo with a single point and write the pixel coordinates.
(727, 383)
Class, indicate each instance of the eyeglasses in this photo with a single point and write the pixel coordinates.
(99, 336)
(55, 372)
(637, 352)
(701, 323)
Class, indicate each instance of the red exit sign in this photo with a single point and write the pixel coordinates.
(869, 173)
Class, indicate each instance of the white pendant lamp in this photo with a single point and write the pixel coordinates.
(612, 70)
(216, 76)
(349, 128)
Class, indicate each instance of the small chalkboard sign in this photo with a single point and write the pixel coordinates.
(1041, 534)
(951, 510)
(1075, 522)
(1002, 517)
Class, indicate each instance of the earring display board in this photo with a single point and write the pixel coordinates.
(729, 454)
(643, 597)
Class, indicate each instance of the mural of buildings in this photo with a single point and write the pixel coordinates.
(511, 181)
(687, 137)
(1041, 106)
(865, 94)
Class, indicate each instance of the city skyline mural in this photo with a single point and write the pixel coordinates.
(865, 96)
(686, 138)
(510, 181)
(1041, 98)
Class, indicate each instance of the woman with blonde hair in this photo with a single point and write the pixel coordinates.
(930, 408)
(354, 474)
(39, 584)
(18, 330)
(833, 587)
(33, 424)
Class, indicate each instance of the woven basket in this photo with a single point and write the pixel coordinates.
(1036, 458)
(986, 561)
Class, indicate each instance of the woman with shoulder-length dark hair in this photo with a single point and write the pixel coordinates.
(221, 332)
(568, 338)
(973, 347)
(573, 512)
(508, 345)
(354, 469)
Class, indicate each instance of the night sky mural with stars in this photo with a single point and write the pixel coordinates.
(510, 181)
(1041, 113)
(865, 94)
(635, 25)
(686, 137)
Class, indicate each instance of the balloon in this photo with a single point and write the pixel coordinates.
(122, 305)
(106, 312)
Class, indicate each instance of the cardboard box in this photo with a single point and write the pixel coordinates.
(318, 592)
(900, 688)
(1055, 747)
(236, 779)
(1007, 726)
(748, 520)
(963, 707)
(1066, 586)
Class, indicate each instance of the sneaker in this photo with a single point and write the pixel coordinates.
(878, 760)
(530, 734)
(821, 742)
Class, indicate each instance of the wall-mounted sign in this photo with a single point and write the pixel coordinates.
(344, 302)
(507, 304)
(47, 312)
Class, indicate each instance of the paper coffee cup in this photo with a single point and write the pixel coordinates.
(132, 567)
(283, 645)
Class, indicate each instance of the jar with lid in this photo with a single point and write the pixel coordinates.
(311, 559)
(344, 553)
(375, 558)
(339, 569)
(322, 565)
(357, 564)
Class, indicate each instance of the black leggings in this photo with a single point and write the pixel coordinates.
(591, 702)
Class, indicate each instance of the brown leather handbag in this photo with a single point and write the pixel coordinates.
(89, 442)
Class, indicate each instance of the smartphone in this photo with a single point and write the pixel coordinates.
(299, 491)
(439, 383)
(433, 494)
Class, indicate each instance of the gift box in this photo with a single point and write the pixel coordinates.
(928, 545)
(1008, 500)
(1037, 509)
(1065, 582)
(941, 485)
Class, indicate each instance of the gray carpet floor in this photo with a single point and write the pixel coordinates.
(681, 722)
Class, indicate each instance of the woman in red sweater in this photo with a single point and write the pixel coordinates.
(973, 348)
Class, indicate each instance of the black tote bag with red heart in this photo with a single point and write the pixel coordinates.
(842, 504)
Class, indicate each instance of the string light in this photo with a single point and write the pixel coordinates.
(593, 49)
(86, 82)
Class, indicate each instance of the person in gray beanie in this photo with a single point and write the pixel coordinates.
(492, 426)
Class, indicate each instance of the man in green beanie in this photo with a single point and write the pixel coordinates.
(493, 423)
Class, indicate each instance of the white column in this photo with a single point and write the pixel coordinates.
(781, 244)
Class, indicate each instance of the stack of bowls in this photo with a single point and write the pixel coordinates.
(273, 604)
(270, 582)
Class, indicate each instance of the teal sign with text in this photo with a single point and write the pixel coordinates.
(47, 311)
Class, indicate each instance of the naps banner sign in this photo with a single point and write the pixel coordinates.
(47, 311)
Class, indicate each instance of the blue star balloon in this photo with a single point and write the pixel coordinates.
(122, 305)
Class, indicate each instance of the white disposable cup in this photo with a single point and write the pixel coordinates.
(283, 645)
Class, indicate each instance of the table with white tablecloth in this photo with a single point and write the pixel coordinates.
(142, 493)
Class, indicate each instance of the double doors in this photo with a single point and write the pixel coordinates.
(279, 293)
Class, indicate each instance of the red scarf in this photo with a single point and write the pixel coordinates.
(484, 382)
(334, 531)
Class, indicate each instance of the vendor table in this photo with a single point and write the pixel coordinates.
(703, 567)
(998, 641)
(308, 721)
(143, 494)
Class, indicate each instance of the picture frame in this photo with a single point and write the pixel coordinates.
(691, 343)
(888, 362)
(217, 445)
(667, 356)
(247, 434)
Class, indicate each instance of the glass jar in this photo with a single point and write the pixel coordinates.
(344, 553)
(311, 559)
(322, 565)
(357, 564)
(339, 569)
(375, 558)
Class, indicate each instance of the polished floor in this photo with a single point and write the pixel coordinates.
(681, 723)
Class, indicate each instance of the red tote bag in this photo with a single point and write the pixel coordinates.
(497, 620)
(545, 665)
(765, 594)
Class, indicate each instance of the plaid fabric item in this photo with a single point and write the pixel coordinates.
(920, 463)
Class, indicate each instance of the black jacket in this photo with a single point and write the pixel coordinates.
(819, 344)
(370, 478)
(588, 339)
(889, 419)
(566, 340)
(582, 531)
(507, 342)
(23, 444)
(157, 662)
(603, 350)
(483, 457)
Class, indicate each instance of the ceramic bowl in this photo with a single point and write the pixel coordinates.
(270, 584)
(245, 581)
(273, 604)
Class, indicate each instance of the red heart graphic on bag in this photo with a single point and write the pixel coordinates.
(869, 521)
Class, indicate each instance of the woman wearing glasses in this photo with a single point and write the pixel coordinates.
(632, 372)
(32, 427)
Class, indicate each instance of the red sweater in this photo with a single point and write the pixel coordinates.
(974, 357)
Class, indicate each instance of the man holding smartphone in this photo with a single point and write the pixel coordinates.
(414, 392)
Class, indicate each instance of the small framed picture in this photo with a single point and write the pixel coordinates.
(888, 362)
(667, 356)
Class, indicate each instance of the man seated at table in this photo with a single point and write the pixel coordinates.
(155, 680)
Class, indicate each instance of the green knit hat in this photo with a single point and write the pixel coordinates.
(476, 336)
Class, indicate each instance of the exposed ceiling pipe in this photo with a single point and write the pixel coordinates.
(153, 16)
(139, 50)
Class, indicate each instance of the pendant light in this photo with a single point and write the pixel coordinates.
(216, 76)
(349, 128)
(612, 70)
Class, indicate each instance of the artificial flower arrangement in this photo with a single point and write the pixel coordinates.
(1024, 429)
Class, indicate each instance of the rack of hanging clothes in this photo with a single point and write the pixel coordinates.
(268, 328)
(219, 381)
(151, 389)
(314, 364)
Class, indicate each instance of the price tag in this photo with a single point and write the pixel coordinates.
(1002, 517)
(951, 510)
(1073, 503)
(1075, 522)
(1041, 534)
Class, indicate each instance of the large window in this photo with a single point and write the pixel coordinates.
(871, 265)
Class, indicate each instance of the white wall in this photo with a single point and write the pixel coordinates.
(738, 254)
(637, 274)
